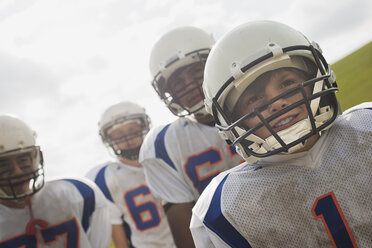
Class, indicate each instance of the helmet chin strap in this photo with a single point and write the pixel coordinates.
(201, 112)
(198, 109)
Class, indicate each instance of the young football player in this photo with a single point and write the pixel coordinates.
(182, 157)
(122, 129)
(61, 213)
(272, 94)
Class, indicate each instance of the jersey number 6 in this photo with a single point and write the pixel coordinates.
(145, 214)
(202, 167)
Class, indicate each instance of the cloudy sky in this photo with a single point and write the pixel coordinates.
(62, 62)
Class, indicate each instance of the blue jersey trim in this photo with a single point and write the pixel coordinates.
(89, 201)
(101, 182)
(160, 150)
(216, 222)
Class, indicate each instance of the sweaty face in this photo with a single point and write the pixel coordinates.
(18, 168)
(265, 88)
(127, 136)
(185, 84)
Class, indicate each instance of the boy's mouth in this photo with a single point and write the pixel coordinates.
(285, 123)
(21, 187)
(192, 100)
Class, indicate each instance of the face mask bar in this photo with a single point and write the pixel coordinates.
(174, 100)
(35, 178)
(329, 92)
(131, 154)
(143, 119)
(170, 99)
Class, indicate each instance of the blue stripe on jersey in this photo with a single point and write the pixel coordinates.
(101, 182)
(89, 201)
(160, 151)
(215, 221)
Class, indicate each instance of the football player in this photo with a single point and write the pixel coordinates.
(122, 128)
(307, 180)
(61, 213)
(182, 157)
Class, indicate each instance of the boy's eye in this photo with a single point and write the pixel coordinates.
(24, 162)
(253, 100)
(287, 83)
(4, 168)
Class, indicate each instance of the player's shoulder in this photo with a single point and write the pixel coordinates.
(357, 117)
(68, 183)
(102, 168)
(72, 189)
(214, 188)
(159, 136)
(162, 131)
(366, 106)
(153, 135)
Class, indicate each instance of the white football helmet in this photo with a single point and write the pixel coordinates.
(175, 49)
(247, 52)
(118, 115)
(18, 140)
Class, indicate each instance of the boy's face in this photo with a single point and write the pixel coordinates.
(185, 84)
(264, 89)
(15, 166)
(127, 137)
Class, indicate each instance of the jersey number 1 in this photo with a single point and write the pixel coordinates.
(327, 208)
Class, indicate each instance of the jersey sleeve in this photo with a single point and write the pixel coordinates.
(95, 214)
(115, 213)
(209, 226)
(101, 176)
(100, 232)
(161, 174)
(201, 234)
(165, 183)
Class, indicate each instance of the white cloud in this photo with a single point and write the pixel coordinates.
(63, 62)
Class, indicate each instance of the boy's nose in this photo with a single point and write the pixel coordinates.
(16, 168)
(278, 105)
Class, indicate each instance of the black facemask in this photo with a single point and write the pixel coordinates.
(131, 154)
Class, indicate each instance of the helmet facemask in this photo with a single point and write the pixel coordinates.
(173, 98)
(31, 180)
(321, 105)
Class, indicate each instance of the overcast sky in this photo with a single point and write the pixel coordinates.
(63, 62)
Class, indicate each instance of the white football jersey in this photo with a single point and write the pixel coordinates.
(181, 158)
(130, 198)
(318, 198)
(75, 210)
